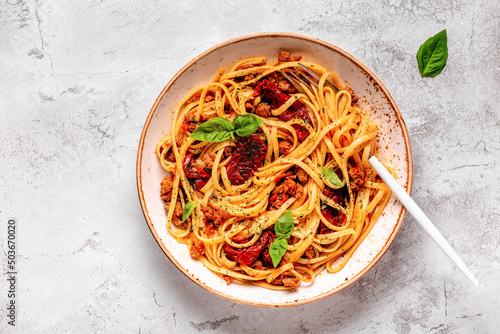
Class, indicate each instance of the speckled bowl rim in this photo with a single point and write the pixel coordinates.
(333, 48)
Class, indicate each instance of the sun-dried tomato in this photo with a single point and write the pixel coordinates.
(333, 216)
(279, 177)
(187, 160)
(265, 256)
(275, 96)
(248, 155)
(248, 255)
(196, 174)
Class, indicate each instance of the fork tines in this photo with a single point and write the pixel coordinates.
(295, 79)
(314, 78)
(292, 81)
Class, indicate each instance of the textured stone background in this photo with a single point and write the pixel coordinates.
(77, 82)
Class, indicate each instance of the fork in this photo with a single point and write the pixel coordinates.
(311, 79)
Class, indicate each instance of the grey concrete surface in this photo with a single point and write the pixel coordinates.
(77, 80)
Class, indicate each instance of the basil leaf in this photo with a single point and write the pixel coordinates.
(332, 177)
(277, 249)
(246, 124)
(433, 54)
(284, 225)
(188, 209)
(214, 130)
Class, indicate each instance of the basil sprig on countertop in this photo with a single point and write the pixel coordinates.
(283, 228)
(188, 209)
(219, 129)
(433, 54)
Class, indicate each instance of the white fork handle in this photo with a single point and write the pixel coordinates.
(420, 217)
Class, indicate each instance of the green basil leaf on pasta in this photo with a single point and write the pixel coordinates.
(332, 177)
(284, 225)
(246, 124)
(214, 130)
(433, 54)
(188, 209)
(277, 249)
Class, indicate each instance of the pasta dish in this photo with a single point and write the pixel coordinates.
(267, 175)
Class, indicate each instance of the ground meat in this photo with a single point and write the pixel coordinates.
(259, 72)
(228, 150)
(206, 117)
(190, 116)
(287, 279)
(244, 67)
(192, 126)
(284, 85)
(178, 209)
(263, 109)
(291, 281)
(289, 185)
(194, 98)
(354, 97)
(284, 56)
(171, 157)
(284, 147)
(209, 97)
(272, 77)
(281, 189)
(249, 77)
(216, 215)
(190, 123)
(176, 216)
(282, 192)
(311, 252)
(166, 187)
(179, 139)
(196, 251)
(166, 207)
(258, 266)
(292, 188)
(290, 174)
(209, 228)
(298, 191)
(276, 201)
(195, 247)
(358, 178)
(248, 105)
(209, 159)
(228, 279)
(302, 175)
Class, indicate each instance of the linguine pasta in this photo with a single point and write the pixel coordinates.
(227, 195)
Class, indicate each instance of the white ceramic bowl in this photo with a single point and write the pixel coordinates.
(393, 141)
